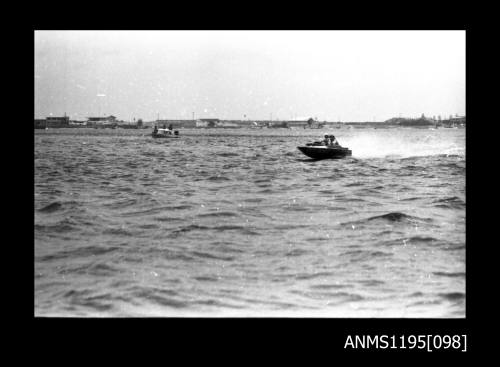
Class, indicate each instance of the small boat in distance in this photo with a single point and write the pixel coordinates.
(165, 133)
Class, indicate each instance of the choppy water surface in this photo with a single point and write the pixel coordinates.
(240, 223)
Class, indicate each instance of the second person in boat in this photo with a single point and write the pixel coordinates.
(333, 141)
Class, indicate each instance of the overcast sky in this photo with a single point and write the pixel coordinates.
(331, 75)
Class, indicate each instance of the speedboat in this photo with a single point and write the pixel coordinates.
(165, 133)
(317, 151)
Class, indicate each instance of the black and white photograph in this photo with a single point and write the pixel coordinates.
(250, 174)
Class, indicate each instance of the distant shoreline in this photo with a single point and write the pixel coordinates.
(236, 124)
(342, 126)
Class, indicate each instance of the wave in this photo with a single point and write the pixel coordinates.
(296, 252)
(176, 255)
(253, 200)
(222, 228)
(156, 210)
(415, 240)
(117, 232)
(453, 296)
(313, 275)
(455, 247)
(59, 205)
(163, 297)
(392, 217)
(189, 228)
(168, 219)
(58, 228)
(206, 279)
(218, 214)
(460, 166)
(242, 229)
(216, 303)
(451, 275)
(218, 178)
(79, 252)
(416, 294)
(264, 180)
(338, 297)
(371, 283)
(102, 269)
(98, 303)
(329, 286)
(51, 207)
(354, 184)
(362, 255)
(117, 204)
(450, 203)
(227, 154)
(413, 198)
(206, 255)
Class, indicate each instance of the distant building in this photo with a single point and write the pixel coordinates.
(177, 123)
(305, 123)
(200, 123)
(109, 121)
(211, 122)
(187, 124)
(228, 124)
(40, 123)
(207, 122)
(78, 123)
(403, 121)
(278, 124)
(457, 120)
(297, 123)
(110, 118)
(53, 121)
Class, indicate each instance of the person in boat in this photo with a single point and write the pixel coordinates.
(326, 140)
(170, 127)
(164, 126)
(155, 130)
(333, 141)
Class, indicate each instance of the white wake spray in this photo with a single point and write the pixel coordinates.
(403, 143)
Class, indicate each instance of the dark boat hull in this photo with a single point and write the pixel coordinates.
(165, 136)
(325, 152)
(175, 135)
